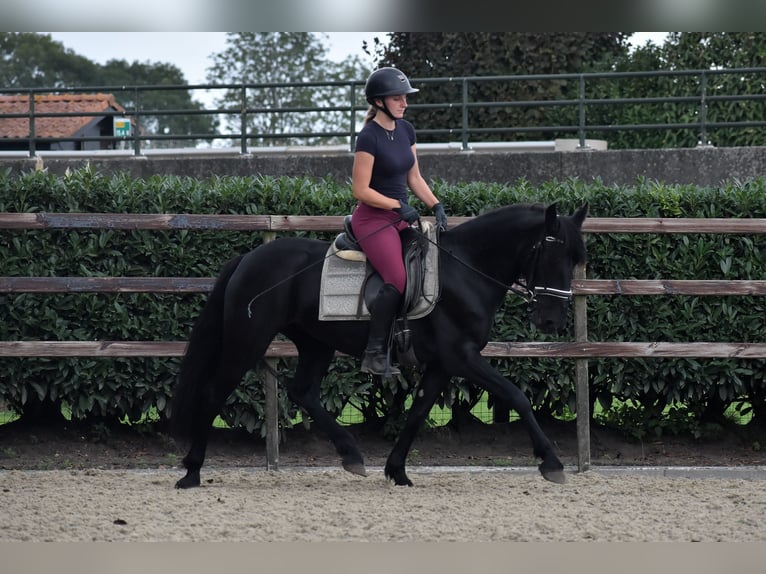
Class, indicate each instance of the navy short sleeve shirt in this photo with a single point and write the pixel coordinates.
(393, 156)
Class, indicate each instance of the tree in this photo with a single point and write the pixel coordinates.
(458, 54)
(719, 51)
(286, 72)
(30, 60)
(122, 73)
(604, 110)
(684, 52)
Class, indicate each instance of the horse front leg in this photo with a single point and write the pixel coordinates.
(431, 384)
(313, 362)
(478, 371)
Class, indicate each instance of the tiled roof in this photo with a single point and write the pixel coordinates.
(52, 127)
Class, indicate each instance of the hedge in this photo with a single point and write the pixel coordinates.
(129, 389)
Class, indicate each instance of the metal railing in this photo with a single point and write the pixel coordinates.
(343, 118)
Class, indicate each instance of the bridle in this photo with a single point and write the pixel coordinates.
(521, 287)
(545, 291)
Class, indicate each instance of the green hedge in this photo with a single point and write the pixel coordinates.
(130, 388)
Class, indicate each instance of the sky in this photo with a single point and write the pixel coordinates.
(189, 51)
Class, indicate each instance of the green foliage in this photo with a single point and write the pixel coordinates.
(29, 60)
(268, 58)
(289, 73)
(123, 73)
(451, 55)
(33, 60)
(683, 52)
(466, 54)
(103, 389)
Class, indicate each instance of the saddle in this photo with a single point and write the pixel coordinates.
(414, 250)
(349, 283)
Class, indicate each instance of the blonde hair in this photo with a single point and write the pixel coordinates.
(370, 114)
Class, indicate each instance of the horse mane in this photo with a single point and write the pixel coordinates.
(524, 217)
(524, 214)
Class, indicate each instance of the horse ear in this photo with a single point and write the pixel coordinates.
(551, 219)
(580, 215)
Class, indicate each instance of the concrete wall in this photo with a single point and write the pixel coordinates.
(702, 166)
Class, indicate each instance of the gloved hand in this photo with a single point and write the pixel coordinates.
(407, 213)
(441, 217)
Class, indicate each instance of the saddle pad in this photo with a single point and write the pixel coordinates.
(343, 280)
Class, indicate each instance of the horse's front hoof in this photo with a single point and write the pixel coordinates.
(355, 468)
(191, 480)
(397, 475)
(555, 474)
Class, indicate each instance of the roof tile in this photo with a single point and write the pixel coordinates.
(52, 127)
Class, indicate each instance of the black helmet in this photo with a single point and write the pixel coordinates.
(387, 82)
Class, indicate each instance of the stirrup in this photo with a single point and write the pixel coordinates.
(376, 363)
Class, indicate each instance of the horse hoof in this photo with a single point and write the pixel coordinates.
(355, 468)
(191, 480)
(556, 476)
(399, 477)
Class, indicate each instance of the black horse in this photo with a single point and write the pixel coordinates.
(275, 289)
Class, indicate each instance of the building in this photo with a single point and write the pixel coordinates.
(102, 117)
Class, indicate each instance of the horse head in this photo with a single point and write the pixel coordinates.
(558, 250)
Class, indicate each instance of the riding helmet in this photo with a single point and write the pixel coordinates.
(387, 82)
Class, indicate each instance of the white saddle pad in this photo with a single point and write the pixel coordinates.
(343, 279)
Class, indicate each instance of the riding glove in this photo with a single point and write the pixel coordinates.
(441, 217)
(407, 213)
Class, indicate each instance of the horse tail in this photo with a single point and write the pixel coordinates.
(203, 353)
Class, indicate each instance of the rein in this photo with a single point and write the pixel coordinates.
(518, 287)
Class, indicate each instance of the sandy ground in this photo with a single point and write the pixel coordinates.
(331, 505)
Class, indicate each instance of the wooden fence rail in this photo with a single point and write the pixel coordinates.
(581, 349)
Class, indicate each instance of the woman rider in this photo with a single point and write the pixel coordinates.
(385, 166)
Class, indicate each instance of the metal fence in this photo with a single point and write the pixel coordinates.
(338, 114)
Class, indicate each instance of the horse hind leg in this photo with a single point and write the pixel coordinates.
(227, 378)
(426, 394)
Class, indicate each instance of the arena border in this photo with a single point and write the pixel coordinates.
(750, 472)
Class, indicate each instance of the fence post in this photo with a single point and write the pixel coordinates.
(581, 367)
(464, 117)
(32, 129)
(243, 125)
(271, 412)
(703, 141)
(581, 112)
(271, 406)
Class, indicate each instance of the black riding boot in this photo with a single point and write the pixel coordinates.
(382, 315)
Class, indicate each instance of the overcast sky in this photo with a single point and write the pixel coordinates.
(189, 51)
